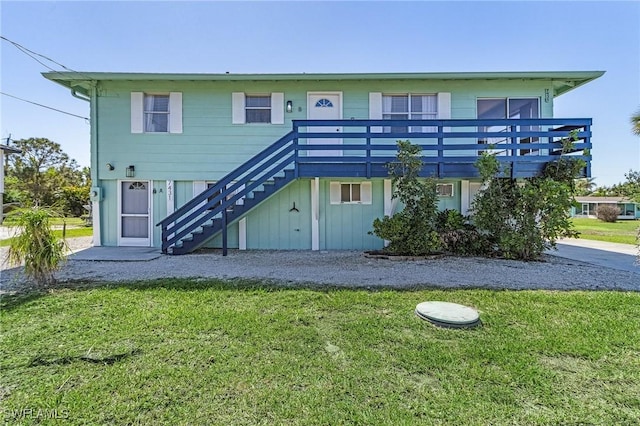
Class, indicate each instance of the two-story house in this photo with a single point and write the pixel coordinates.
(297, 161)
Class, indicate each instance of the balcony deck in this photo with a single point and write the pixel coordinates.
(362, 148)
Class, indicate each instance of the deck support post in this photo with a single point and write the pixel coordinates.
(224, 232)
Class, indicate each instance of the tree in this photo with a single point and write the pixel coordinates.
(635, 123)
(631, 187)
(37, 176)
(523, 218)
(585, 186)
(412, 230)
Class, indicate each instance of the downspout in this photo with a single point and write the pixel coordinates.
(96, 193)
(75, 95)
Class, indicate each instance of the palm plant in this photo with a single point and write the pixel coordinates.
(635, 123)
(36, 245)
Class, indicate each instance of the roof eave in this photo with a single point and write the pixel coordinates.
(563, 81)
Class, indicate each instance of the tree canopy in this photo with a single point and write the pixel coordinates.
(44, 175)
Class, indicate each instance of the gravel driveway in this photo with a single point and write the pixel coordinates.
(343, 269)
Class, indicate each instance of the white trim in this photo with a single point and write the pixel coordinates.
(237, 108)
(277, 108)
(137, 112)
(444, 105)
(465, 200)
(449, 184)
(388, 194)
(335, 193)
(337, 152)
(97, 229)
(175, 112)
(366, 192)
(170, 192)
(309, 94)
(198, 187)
(315, 214)
(242, 234)
(375, 109)
(135, 242)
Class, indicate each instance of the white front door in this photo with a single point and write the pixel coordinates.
(325, 106)
(134, 225)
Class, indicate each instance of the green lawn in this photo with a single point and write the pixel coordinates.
(205, 352)
(55, 221)
(70, 233)
(622, 231)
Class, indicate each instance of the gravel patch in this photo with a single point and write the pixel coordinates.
(340, 269)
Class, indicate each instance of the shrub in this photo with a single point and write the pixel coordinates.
(36, 245)
(607, 213)
(524, 217)
(412, 230)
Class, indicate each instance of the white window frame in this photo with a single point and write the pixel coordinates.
(335, 189)
(498, 140)
(412, 129)
(257, 108)
(145, 112)
(239, 108)
(440, 193)
(174, 112)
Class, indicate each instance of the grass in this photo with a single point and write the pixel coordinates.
(622, 231)
(54, 221)
(70, 233)
(185, 352)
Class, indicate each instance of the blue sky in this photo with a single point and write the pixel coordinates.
(292, 37)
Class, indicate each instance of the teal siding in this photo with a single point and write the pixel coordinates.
(272, 225)
(109, 213)
(183, 192)
(346, 226)
(159, 203)
(211, 146)
(451, 203)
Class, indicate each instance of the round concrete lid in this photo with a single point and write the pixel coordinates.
(447, 313)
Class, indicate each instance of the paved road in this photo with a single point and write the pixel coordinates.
(623, 257)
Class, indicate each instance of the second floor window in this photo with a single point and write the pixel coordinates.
(156, 113)
(258, 109)
(409, 107)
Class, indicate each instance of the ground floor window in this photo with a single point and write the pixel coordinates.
(444, 189)
(350, 192)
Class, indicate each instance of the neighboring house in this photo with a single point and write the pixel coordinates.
(588, 205)
(4, 150)
(297, 161)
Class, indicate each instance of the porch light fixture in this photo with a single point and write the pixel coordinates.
(131, 171)
(110, 166)
(289, 106)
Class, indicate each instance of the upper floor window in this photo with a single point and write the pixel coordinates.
(156, 113)
(252, 108)
(258, 109)
(409, 107)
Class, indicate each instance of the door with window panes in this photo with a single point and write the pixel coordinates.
(512, 108)
(135, 212)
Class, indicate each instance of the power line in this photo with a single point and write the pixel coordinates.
(44, 106)
(30, 53)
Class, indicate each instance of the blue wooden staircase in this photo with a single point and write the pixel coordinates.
(450, 149)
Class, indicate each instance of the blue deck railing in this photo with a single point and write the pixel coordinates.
(362, 148)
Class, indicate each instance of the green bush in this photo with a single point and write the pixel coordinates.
(524, 217)
(36, 245)
(411, 231)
